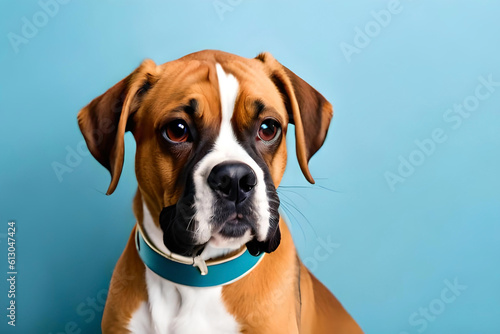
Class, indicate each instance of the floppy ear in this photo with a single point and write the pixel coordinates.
(103, 121)
(307, 109)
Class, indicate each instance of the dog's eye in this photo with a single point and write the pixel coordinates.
(269, 131)
(176, 131)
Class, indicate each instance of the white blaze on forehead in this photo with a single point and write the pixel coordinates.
(228, 91)
(227, 148)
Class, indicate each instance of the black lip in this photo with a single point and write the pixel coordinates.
(234, 228)
(176, 237)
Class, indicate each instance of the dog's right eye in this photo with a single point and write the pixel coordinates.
(176, 131)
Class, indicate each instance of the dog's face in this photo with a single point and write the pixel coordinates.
(210, 131)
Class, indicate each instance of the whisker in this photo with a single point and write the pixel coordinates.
(291, 204)
(290, 213)
(309, 187)
(300, 187)
(99, 191)
(293, 192)
(190, 221)
(331, 190)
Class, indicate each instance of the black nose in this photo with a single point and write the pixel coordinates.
(232, 180)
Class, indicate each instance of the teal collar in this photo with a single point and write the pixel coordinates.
(194, 271)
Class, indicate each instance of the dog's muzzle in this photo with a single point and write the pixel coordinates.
(233, 184)
(230, 192)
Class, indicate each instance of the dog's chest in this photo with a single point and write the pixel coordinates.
(175, 309)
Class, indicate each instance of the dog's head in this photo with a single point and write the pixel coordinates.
(210, 131)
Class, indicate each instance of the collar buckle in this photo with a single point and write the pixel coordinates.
(201, 265)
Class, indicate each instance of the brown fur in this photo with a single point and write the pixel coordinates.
(280, 295)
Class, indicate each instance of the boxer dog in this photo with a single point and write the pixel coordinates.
(209, 253)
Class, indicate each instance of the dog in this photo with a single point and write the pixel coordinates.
(210, 253)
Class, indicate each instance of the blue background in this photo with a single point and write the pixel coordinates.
(394, 248)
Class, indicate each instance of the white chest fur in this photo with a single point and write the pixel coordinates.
(176, 309)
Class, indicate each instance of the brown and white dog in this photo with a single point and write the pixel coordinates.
(210, 131)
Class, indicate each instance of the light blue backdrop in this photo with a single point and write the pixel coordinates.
(403, 224)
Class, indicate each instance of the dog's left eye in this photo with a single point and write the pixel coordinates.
(269, 131)
(176, 131)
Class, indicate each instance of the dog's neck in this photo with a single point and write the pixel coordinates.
(155, 235)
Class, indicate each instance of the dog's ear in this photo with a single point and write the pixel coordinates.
(307, 109)
(103, 121)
